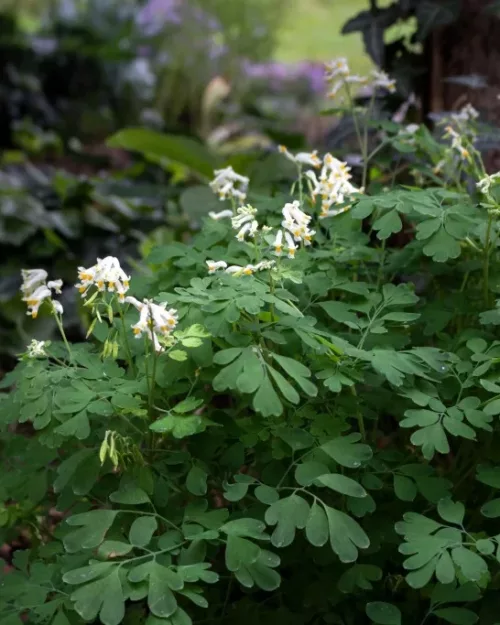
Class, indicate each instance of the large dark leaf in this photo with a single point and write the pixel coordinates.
(156, 146)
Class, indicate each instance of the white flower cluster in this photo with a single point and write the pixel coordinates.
(333, 185)
(227, 184)
(36, 349)
(484, 185)
(338, 74)
(237, 270)
(466, 114)
(295, 228)
(154, 320)
(36, 290)
(457, 142)
(106, 275)
(245, 222)
(302, 158)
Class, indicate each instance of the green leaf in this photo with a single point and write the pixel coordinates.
(156, 146)
(342, 484)
(383, 613)
(359, 576)
(142, 530)
(266, 401)
(451, 511)
(129, 495)
(346, 535)
(442, 247)
(247, 528)
(491, 509)
(86, 573)
(266, 494)
(286, 389)
(445, 569)
(471, 564)
(404, 488)
(93, 527)
(307, 472)
(287, 514)
(457, 616)
(347, 451)
(103, 597)
(388, 224)
(161, 599)
(196, 481)
(235, 492)
(317, 530)
(297, 438)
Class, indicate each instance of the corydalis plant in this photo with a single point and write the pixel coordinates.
(312, 432)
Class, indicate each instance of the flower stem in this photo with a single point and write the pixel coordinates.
(63, 334)
(127, 344)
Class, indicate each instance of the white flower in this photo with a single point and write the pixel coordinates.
(296, 222)
(244, 222)
(410, 129)
(264, 264)
(55, 285)
(485, 183)
(154, 320)
(228, 184)
(337, 67)
(36, 349)
(457, 142)
(356, 79)
(35, 290)
(278, 243)
(335, 88)
(106, 274)
(214, 265)
(382, 80)
(58, 307)
(290, 245)
(32, 278)
(466, 114)
(221, 214)
(236, 270)
(302, 158)
(34, 300)
(332, 186)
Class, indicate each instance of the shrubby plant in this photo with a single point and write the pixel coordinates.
(292, 417)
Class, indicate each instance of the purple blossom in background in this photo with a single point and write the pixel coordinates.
(156, 13)
(279, 75)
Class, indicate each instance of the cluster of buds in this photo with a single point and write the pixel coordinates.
(333, 186)
(245, 222)
(339, 75)
(236, 270)
(227, 184)
(36, 290)
(466, 114)
(105, 275)
(154, 320)
(36, 349)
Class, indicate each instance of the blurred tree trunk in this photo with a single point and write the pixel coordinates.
(469, 47)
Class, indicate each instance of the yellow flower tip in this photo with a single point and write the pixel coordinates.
(34, 314)
(100, 284)
(111, 285)
(126, 284)
(291, 251)
(247, 272)
(32, 302)
(278, 249)
(164, 328)
(81, 289)
(121, 297)
(171, 322)
(281, 148)
(136, 331)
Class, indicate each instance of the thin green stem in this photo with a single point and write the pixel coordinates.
(126, 343)
(63, 334)
(486, 260)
